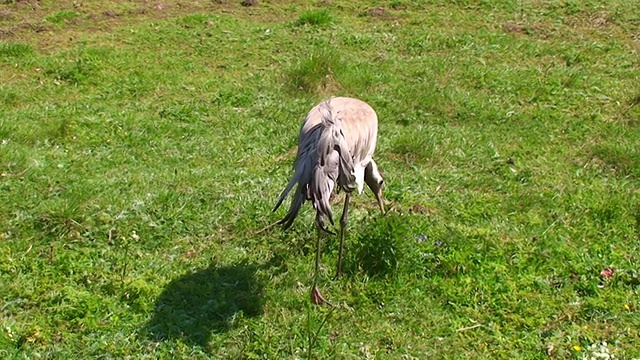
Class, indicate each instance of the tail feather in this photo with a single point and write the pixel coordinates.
(300, 177)
(294, 209)
(322, 184)
(332, 139)
(284, 193)
(334, 162)
(297, 178)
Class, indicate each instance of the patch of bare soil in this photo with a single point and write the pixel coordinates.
(599, 19)
(25, 20)
(249, 2)
(525, 29)
(5, 15)
(376, 12)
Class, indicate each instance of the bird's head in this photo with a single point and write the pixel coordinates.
(374, 180)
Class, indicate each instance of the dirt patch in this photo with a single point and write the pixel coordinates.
(249, 2)
(5, 15)
(329, 86)
(599, 19)
(32, 4)
(110, 14)
(525, 29)
(5, 34)
(514, 28)
(324, 3)
(376, 12)
(36, 28)
(636, 45)
(24, 20)
(138, 11)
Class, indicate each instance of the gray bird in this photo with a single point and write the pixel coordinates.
(335, 148)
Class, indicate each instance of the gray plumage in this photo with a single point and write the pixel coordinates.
(335, 148)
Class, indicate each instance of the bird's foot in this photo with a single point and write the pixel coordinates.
(317, 298)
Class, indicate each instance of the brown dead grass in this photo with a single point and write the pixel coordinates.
(25, 21)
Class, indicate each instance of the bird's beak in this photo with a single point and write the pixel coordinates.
(380, 201)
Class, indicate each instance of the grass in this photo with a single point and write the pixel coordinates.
(61, 17)
(142, 147)
(314, 18)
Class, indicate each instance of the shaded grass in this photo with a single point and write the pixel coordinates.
(187, 311)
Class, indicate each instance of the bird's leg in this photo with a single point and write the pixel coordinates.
(316, 297)
(317, 268)
(343, 225)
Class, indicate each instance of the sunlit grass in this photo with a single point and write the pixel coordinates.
(139, 164)
(314, 18)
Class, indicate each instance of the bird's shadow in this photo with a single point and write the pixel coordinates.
(198, 304)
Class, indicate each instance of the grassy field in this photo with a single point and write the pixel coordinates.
(143, 145)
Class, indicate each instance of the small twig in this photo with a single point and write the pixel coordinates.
(469, 328)
(16, 175)
(549, 228)
(265, 228)
(76, 223)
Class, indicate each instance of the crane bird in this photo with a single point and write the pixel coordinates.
(335, 148)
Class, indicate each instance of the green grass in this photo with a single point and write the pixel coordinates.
(61, 17)
(314, 18)
(142, 147)
(15, 50)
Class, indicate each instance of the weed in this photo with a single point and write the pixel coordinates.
(15, 50)
(315, 18)
(74, 70)
(60, 18)
(314, 72)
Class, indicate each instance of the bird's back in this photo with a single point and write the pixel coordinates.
(359, 125)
